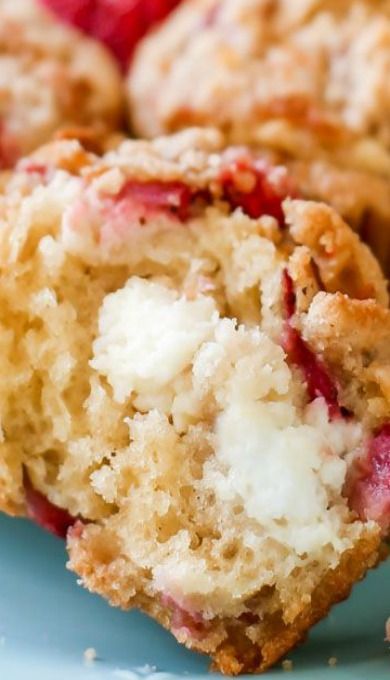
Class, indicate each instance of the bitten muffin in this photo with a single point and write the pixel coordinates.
(194, 387)
(307, 79)
(51, 77)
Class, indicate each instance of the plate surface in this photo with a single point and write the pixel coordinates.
(47, 621)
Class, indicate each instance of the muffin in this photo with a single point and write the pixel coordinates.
(51, 78)
(195, 387)
(307, 79)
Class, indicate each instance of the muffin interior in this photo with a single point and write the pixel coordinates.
(157, 383)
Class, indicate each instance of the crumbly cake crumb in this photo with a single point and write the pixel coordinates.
(90, 655)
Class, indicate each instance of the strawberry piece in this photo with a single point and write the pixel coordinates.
(157, 10)
(75, 12)
(171, 197)
(119, 24)
(256, 188)
(46, 514)
(9, 151)
(368, 488)
(31, 167)
(183, 620)
(288, 294)
(318, 381)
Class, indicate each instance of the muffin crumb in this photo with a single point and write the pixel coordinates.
(90, 655)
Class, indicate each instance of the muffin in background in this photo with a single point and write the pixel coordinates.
(51, 78)
(308, 80)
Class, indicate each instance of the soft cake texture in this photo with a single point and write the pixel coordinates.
(170, 330)
(51, 78)
(307, 79)
(152, 386)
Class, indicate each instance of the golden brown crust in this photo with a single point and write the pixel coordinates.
(277, 638)
(361, 198)
(353, 336)
(12, 499)
(236, 646)
(96, 139)
(344, 262)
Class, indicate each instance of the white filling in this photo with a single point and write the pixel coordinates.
(284, 466)
(148, 335)
(284, 476)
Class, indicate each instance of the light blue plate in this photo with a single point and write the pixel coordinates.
(47, 621)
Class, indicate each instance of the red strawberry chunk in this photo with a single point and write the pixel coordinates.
(183, 620)
(46, 514)
(120, 24)
(369, 485)
(171, 197)
(157, 10)
(318, 381)
(257, 188)
(288, 294)
(33, 168)
(9, 151)
(75, 12)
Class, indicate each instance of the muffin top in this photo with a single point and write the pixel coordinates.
(308, 77)
(51, 77)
